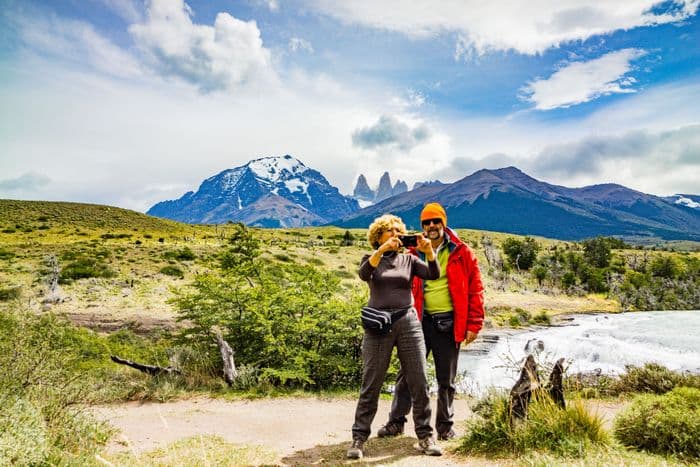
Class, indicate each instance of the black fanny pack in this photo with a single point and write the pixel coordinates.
(443, 322)
(380, 321)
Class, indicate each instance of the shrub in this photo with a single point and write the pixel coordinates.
(185, 254)
(665, 266)
(276, 317)
(650, 378)
(568, 432)
(540, 272)
(172, 271)
(109, 236)
(597, 252)
(665, 424)
(568, 279)
(521, 254)
(10, 293)
(84, 268)
(41, 422)
(348, 239)
(653, 378)
(315, 261)
(541, 318)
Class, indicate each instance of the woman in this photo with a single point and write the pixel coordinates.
(389, 275)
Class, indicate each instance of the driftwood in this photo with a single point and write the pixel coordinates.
(55, 295)
(230, 372)
(149, 369)
(556, 384)
(521, 392)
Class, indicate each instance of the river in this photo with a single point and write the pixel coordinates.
(588, 342)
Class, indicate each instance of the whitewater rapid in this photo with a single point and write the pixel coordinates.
(604, 342)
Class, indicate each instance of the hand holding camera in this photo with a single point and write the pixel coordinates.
(409, 240)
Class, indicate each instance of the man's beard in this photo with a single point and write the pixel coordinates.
(433, 234)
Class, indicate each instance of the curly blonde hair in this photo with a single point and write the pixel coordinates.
(381, 225)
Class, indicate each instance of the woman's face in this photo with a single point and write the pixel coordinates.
(393, 231)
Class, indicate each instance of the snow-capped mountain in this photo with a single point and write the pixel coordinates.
(690, 201)
(277, 191)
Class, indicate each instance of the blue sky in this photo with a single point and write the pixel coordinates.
(130, 102)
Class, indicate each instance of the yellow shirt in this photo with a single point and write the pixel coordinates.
(435, 293)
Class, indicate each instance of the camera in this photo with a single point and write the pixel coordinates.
(409, 240)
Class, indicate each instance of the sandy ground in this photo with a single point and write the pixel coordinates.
(303, 431)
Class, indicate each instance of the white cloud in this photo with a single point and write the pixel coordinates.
(27, 181)
(226, 56)
(391, 131)
(272, 5)
(126, 9)
(409, 100)
(580, 82)
(297, 44)
(77, 42)
(526, 27)
(661, 163)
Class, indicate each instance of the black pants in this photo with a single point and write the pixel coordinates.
(445, 355)
(407, 337)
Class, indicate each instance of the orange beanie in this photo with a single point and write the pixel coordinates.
(434, 211)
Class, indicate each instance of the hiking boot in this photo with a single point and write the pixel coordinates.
(447, 435)
(355, 451)
(390, 429)
(429, 447)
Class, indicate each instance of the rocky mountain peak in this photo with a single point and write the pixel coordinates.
(362, 190)
(384, 190)
(367, 196)
(269, 191)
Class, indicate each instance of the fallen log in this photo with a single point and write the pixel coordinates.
(556, 384)
(148, 369)
(230, 372)
(521, 392)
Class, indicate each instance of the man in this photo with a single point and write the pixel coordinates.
(452, 312)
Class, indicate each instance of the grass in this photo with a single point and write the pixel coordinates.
(198, 450)
(663, 424)
(569, 432)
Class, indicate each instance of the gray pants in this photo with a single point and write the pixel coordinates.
(406, 335)
(445, 355)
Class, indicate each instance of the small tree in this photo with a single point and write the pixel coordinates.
(540, 273)
(664, 266)
(597, 252)
(348, 239)
(521, 254)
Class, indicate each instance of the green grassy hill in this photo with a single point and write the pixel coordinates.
(35, 215)
(119, 266)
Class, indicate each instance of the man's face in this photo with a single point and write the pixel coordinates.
(433, 228)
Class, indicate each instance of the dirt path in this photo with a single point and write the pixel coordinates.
(302, 431)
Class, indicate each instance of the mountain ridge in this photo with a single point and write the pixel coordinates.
(508, 200)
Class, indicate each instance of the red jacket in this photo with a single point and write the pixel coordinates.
(464, 284)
